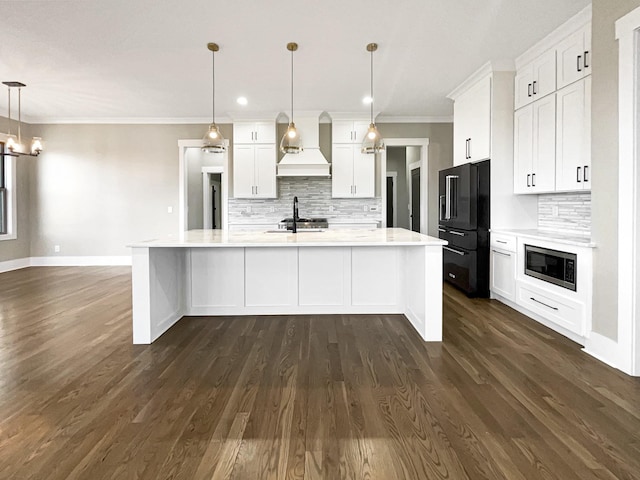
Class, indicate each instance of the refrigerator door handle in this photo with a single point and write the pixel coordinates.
(447, 205)
(443, 212)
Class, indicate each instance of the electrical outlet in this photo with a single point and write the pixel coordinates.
(272, 209)
(365, 208)
(331, 208)
(169, 209)
(56, 248)
(554, 210)
(248, 209)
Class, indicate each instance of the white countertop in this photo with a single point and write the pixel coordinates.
(327, 238)
(576, 240)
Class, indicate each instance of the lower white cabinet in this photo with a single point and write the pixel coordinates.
(503, 270)
(353, 174)
(562, 310)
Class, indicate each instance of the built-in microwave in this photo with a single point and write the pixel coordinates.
(551, 266)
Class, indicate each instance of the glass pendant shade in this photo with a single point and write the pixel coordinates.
(373, 142)
(213, 141)
(12, 143)
(291, 141)
(36, 145)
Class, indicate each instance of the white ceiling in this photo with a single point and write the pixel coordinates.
(146, 60)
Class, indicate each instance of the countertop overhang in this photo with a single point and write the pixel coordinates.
(328, 238)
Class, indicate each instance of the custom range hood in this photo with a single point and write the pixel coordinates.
(309, 162)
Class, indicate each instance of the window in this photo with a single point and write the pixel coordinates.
(3, 193)
(7, 195)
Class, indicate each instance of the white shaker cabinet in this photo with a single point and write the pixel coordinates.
(534, 147)
(574, 57)
(254, 132)
(348, 131)
(536, 80)
(573, 147)
(353, 172)
(472, 123)
(503, 266)
(254, 171)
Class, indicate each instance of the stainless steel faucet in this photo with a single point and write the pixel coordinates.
(295, 214)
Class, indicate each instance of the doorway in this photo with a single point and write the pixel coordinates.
(392, 199)
(414, 204)
(212, 205)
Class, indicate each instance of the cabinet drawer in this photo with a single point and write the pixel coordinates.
(563, 311)
(459, 268)
(459, 238)
(503, 242)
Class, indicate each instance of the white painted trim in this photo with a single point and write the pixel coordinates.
(394, 201)
(80, 261)
(604, 349)
(11, 182)
(485, 70)
(182, 183)
(68, 261)
(125, 120)
(417, 119)
(549, 42)
(423, 143)
(627, 33)
(16, 264)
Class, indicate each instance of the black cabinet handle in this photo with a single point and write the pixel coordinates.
(585, 178)
(533, 179)
(469, 148)
(534, 87)
(528, 178)
(586, 59)
(578, 63)
(578, 179)
(529, 90)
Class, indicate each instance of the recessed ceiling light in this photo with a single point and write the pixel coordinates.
(367, 100)
(242, 100)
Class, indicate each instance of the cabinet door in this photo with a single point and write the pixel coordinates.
(342, 171)
(543, 178)
(461, 114)
(265, 132)
(480, 121)
(587, 50)
(243, 171)
(360, 130)
(544, 75)
(523, 149)
(243, 132)
(503, 274)
(342, 132)
(265, 171)
(524, 86)
(570, 54)
(570, 139)
(586, 145)
(364, 174)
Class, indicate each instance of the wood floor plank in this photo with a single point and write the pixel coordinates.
(297, 397)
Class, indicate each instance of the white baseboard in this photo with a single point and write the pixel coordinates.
(606, 350)
(16, 264)
(75, 261)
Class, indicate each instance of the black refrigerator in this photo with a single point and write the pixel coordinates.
(464, 220)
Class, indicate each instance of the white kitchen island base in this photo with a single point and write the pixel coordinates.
(382, 271)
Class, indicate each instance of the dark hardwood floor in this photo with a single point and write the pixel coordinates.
(297, 397)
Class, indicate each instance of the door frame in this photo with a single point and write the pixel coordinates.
(394, 200)
(423, 143)
(628, 36)
(183, 145)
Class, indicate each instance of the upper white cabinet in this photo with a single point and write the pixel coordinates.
(573, 146)
(348, 131)
(254, 171)
(574, 57)
(535, 147)
(254, 160)
(254, 132)
(353, 172)
(536, 80)
(472, 123)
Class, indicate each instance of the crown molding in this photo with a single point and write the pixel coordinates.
(484, 71)
(415, 119)
(126, 120)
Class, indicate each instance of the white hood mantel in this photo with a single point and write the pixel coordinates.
(310, 162)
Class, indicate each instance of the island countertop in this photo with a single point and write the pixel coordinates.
(327, 238)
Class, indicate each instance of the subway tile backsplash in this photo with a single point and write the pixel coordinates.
(573, 213)
(314, 199)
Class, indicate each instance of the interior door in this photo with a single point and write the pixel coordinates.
(390, 188)
(415, 200)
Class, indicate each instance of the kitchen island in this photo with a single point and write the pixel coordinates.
(216, 272)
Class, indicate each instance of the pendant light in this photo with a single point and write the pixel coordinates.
(291, 141)
(14, 147)
(213, 141)
(372, 142)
